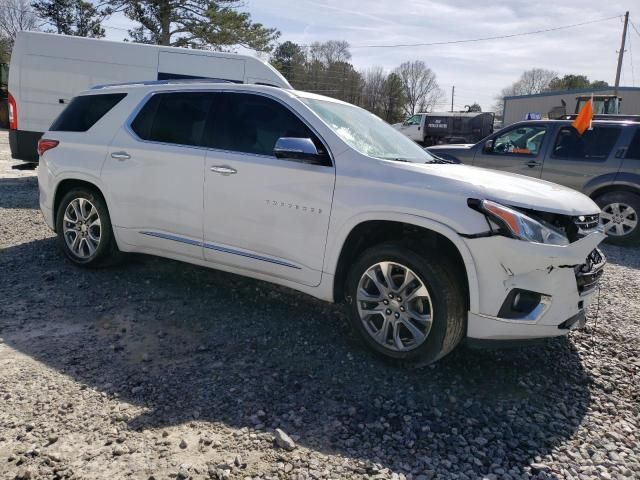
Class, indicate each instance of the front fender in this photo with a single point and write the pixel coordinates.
(337, 240)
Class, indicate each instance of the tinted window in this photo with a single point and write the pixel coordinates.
(595, 144)
(83, 112)
(252, 124)
(173, 118)
(634, 147)
(525, 140)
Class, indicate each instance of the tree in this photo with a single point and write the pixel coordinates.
(574, 82)
(5, 50)
(394, 99)
(71, 17)
(532, 81)
(420, 88)
(289, 58)
(215, 24)
(474, 107)
(332, 51)
(15, 16)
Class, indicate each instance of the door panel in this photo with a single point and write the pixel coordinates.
(517, 150)
(412, 128)
(576, 159)
(154, 173)
(156, 194)
(271, 216)
(262, 213)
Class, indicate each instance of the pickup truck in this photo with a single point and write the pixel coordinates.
(323, 197)
(447, 127)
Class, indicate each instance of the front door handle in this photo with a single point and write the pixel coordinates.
(120, 156)
(533, 163)
(223, 170)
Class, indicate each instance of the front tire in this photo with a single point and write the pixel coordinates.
(84, 228)
(406, 305)
(619, 216)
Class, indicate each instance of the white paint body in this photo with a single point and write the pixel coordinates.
(47, 69)
(413, 130)
(260, 223)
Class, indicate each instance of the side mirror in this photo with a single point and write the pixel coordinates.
(488, 146)
(303, 149)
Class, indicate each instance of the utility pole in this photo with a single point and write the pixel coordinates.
(621, 53)
(453, 92)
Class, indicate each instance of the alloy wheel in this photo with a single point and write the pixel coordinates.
(394, 306)
(81, 228)
(619, 219)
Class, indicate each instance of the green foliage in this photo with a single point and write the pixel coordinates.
(214, 24)
(574, 82)
(5, 49)
(71, 17)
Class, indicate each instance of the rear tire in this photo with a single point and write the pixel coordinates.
(416, 312)
(84, 228)
(620, 211)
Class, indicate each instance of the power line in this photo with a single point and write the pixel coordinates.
(483, 39)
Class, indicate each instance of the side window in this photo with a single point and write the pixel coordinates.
(84, 111)
(173, 118)
(253, 124)
(415, 120)
(634, 147)
(526, 140)
(594, 144)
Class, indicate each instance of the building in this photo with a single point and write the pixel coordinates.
(517, 108)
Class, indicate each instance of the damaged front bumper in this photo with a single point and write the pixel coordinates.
(530, 290)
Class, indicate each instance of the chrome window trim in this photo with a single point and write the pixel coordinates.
(130, 119)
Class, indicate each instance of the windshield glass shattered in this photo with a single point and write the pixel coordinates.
(367, 133)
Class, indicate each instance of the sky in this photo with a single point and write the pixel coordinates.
(478, 70)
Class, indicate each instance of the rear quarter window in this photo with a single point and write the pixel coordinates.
(595, 144)
(634, 146)
(83, 112)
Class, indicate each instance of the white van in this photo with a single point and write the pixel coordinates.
(47, 70)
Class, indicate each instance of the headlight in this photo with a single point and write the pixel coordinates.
(520, 225)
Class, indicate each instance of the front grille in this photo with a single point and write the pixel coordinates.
(588, 274)
(586, 223)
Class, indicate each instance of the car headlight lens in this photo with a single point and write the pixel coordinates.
(522, 226)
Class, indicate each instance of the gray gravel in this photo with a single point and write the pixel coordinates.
(157, 369)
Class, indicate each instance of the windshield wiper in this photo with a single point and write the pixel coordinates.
(437, 159)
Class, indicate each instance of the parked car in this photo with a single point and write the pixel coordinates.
(323, 197)
(603, 163)
(47, 70)
(447, 127)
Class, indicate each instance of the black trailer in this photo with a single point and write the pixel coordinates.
(457, 127)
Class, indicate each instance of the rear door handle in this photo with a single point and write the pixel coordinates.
(120, 156)
(223, 170)
(533, 163)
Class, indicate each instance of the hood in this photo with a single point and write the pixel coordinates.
(506, 188)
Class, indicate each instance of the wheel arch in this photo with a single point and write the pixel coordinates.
(626, 186)
(66, 185)
(367, 232)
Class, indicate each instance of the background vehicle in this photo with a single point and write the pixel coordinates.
(323, 197)
(445, 127)
(48, 70)
(603, 163)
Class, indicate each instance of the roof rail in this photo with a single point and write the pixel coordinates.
(172, 81)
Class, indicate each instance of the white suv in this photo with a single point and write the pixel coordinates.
(326, 198)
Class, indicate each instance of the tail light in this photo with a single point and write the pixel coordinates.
(13, 113)
(45, 144)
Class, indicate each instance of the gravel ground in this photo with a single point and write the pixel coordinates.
(157, 369)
